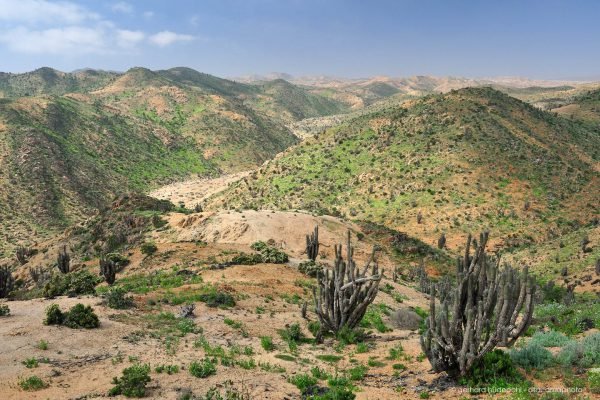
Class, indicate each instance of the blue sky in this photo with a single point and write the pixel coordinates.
(547, 39)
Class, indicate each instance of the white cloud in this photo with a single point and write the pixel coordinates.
(43, 11)
(148, 14)
(128, 39)
(166, 38)
(122, 7)
(66, 41)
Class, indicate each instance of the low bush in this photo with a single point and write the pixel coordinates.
(79, 316)
(204, 368)
(310, 268)
(550, 339)
(267, 343)
(303, 382)
(148, 248)
(594, 380)
(116, 297)
(54, 316)
(133, 382)
(585, 353)
(4, 310)
(217, 299)
(495, 368)
(73, 284)
(532, 356)
(32, 383)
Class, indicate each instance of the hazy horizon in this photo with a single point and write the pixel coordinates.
(348, 39)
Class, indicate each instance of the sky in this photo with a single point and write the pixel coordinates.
(543, 39)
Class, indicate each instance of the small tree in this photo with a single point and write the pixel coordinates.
(63, 260)
(345, 293)
(478, 313)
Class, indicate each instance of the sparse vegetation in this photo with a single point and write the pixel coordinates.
(133, 381)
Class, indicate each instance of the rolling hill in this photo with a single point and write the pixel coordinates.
(450, 163)
(69, 142)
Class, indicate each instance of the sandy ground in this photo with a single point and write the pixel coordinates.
(192, 192)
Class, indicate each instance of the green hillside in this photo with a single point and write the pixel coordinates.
(464, 160)
(69, 142)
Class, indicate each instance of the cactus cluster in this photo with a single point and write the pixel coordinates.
(488, 306)
(312, 244)
(7, 282)
(345, 292)
(108, 269)
(63, 260)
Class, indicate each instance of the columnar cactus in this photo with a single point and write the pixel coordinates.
(488, 306)
(312, 244)
(108, 269)
(344, 293)
(7, 282)
(63, 260)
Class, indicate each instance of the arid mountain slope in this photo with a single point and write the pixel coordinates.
(458, 162)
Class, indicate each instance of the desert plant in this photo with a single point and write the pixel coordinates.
(32, 383)
(38, 275)
(481, 311)
(345, 293)
(133, 382)
(4, 310)
(550, 339)
(108, 269)
(63, 260)
(267, 343)
(7, 282)
(442, 241)
(23, 254)
(54, 316)
(310, 268)
(312, 244)
(495, 367)
(532, 355)
(75, 284)
(80, 316)
(116, 297)
(202, 369)
(148, 248)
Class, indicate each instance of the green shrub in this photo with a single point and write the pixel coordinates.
(148, 248)
(531, 356)
(116, 297)
(246, 259)
(73, 284)
(310, 268)
(169, 369)
(31, 363)
(303, 382)
(133, 382)
(357, 373)
(373, 318)
(495, 368)
(42, 345)
(80, 316)
(594, 380)
(350, 336)
(32, 383)
(585, 353)
(4, 310)
(550, 339)
(54, 316)
(217, 299)
(204, 368)
(267, 343)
